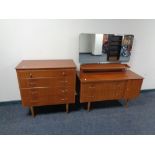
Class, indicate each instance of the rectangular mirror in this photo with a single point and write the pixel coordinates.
(104, 48)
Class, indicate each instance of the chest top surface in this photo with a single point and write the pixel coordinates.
(46, 64)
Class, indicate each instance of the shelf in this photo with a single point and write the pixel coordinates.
(103, 67)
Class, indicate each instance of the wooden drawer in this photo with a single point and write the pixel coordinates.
(47, 82)
(45, 73)
(46, 96)
(112, 90)
(35, 96)
(37, 82)
(98, 91)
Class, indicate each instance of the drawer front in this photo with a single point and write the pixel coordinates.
(111, 90)
(45, 73)
(47, 96)
(37, 82)
(35, 97)
(99, 91)
(47, 82)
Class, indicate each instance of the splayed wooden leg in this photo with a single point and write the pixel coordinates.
(67, 108)
(89, 104)
(32, 111)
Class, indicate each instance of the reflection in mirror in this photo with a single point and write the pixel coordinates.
(104, 48)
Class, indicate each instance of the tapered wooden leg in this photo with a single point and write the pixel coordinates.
(32, 111)
(88, 108)
(67, 108)
(126, 103)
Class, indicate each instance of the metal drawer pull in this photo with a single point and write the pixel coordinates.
(63, 73)
(92, 87)
(64, 81)
(30, 75)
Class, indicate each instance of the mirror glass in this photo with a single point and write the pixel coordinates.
(104, 48)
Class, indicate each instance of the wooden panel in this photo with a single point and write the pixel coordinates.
(47, 82)
(110, 90)
(99, 91)
(45, 73)
(46, 96)
(133, 88)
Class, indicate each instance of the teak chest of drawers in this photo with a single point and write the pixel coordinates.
(46, 82)
(100, 82)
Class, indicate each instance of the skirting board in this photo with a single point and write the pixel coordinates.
(147, 90)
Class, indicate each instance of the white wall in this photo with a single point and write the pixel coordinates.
(56, 39)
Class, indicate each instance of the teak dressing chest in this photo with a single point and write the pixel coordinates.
(100, 82)
(46, 82)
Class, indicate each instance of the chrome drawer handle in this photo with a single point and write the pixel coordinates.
(62, 99)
